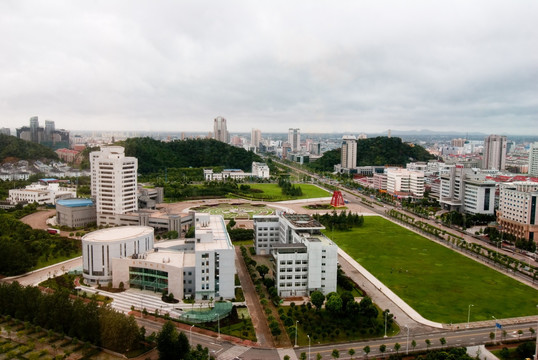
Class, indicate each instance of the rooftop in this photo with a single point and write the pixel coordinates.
(75, 202)
(303, 221)
(118, 233)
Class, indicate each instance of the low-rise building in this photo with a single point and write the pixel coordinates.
(304, 259)
(259, 170)
(42, 193)
(75, 212)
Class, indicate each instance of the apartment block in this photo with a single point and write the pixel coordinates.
(517, 213)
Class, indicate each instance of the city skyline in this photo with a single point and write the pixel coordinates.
(344, 68)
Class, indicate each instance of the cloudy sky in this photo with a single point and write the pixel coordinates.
(323, 66)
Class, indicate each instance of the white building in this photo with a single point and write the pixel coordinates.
(348, 155)
(42, 193)
(533, 159)
(494, 152)
(101, 246)
(518, 209)
(202, 267)
(466, 190)
(402, 182)
(113, 184)
(305, 260)
(259, 170)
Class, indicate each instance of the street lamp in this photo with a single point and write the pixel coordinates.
(469, 315)
(407, 341)
(218, 325)
(308, 346)
(385, 323)
(190, 334)
(296, 322)
(536, 350)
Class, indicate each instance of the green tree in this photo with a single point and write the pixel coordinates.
(428, 343)
(442, 341)
(334, 303)
(351, 352)
(505, 353)
(166, 341)
(492, 335)
(383, 348)
(335, 354)
(317, 298)
(397, 347)
(366, 350)
(318, 356)
(413, 344)
(262, 270)
(302, 356)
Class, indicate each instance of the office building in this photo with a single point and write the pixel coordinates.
(494, 152)
(75, 212)
(202, 267)
(304, 259)
(405, 183)
(466, 190)
(113, 184)
(259, 170)
(518, 209)
(294, 139)
(49, 136)
(348, 158)
(220, 131)
(255, 138)
(44, 192)
(533, 159)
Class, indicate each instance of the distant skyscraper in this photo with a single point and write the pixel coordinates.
(533, 159)
(220, 132)
(362, 136)
(5, 131)
(34, 129)
(294, 139)
(389, 134)
(494, 152)
(49, 130)
(255, 137)
(349, 152)
(458, 142)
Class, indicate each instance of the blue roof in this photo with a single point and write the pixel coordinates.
(75, 202)
(48, 179)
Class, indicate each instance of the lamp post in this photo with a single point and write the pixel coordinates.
(308, 346)
(190, 334)
(218, 325)
(385, 323)
(469, 315)
(536, 350)
(296, 322)
(407, 341)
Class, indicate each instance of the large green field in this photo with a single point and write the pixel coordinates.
(437, 282)
(274, 192)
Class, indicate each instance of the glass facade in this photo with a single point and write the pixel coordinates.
(148, 279)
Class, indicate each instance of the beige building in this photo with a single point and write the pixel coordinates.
(75, 212)
(518, 209)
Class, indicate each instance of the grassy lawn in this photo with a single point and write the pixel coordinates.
(43, 262)
(274, 192)
(437, 282)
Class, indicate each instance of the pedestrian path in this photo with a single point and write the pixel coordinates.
(233, 353)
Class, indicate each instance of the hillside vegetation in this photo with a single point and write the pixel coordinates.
(154, 155)
(13, 149)
(376, 151)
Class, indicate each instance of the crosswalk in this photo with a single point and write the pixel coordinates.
(232, 353)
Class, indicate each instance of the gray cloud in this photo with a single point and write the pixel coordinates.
(340, 66)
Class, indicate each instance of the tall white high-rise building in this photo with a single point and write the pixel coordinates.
(494, 152)
(113, 183)
(255, 137)
(294, 139)
(533, 159)
(220, 132)
(348, 158)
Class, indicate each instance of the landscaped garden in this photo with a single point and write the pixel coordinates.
(235, 210)
(437, 282)
(273, 192)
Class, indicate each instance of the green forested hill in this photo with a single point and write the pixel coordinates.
(376, 151)
(154, 155)
(12, 147)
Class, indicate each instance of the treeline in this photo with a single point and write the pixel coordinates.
(288, 188)
(380, 150)
(13, 149)
(21, 246)
(520, 243)
(153, 155)
(467, 220)
(85, 321)
(340, 221)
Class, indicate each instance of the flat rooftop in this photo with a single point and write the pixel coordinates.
(221, 239)
(303, 221)
(118, 233)
(75, 202)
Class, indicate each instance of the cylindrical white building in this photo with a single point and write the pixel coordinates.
(99, 247)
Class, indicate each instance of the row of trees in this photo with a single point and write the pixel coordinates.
(84, 320)
(521, 243)
(174, 345)
(340, 221)
(21, 246)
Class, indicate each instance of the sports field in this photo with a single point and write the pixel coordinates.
(436, 281)
(274, 193)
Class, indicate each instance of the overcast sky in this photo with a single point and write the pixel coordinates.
(323, 66)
